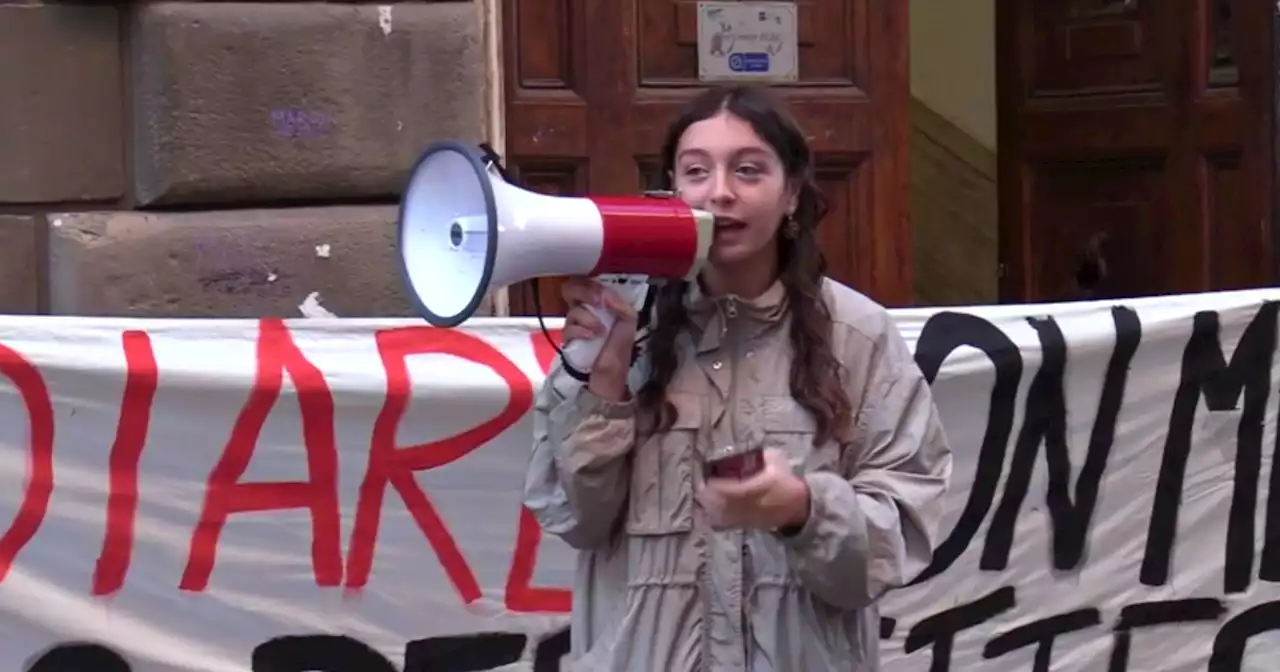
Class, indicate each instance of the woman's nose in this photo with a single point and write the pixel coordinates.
(722, 189)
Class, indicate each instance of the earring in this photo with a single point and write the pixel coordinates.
(790, 228)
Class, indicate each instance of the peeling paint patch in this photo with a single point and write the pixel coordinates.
(312, 309)
(384, 19)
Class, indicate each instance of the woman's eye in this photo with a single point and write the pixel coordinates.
(749, 171)
(695, 171)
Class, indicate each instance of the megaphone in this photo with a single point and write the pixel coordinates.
(464, 230)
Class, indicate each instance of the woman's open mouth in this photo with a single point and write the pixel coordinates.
(729, 225)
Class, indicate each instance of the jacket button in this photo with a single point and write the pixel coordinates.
(717, 364)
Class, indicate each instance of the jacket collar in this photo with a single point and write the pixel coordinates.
(710, 315)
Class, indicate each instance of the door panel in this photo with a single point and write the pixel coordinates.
(848, 189)
(1092, 46)
(1238, 249)
(1129, 130)
(590, 86)
(1100, 211)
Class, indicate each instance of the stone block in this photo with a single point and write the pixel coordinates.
(62, 118)
(248, 263)
(267, 102)
(20, 265)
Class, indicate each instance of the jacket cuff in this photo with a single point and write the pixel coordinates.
(822, 521)
(587, 403)
(583, 406)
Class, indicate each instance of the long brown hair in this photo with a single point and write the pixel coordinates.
(815, 371)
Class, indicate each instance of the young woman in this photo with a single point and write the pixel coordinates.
(778, 571)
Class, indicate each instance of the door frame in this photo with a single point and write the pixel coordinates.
(1273, 48)
(1008, 275)
(495, 123)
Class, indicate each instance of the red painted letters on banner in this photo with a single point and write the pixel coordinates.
(521, 595)
(395, 465)
(35, 501)
(225, 495)
(141, 379)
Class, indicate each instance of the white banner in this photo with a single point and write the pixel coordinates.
(344, 495)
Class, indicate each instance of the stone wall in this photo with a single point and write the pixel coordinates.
(205, 159)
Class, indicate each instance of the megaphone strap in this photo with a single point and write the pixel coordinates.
(643, 318)
(491, 157)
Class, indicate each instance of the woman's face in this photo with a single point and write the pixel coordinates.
(722, 166)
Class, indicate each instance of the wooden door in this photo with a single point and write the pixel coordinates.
(590, 86)
(1135, 146)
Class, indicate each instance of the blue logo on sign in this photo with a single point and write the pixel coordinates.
(749, 62)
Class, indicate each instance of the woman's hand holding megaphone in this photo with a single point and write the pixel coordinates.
(587, 301)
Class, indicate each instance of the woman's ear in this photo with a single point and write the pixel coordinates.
(793, 196)
(671, 179)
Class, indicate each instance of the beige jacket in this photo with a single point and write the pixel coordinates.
(656, 589)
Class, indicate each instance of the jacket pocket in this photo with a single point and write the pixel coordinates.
(661, 499)
(789, 427)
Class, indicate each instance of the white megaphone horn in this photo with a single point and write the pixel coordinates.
(464, 231)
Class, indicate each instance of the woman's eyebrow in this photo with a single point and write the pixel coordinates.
(750, 150)
(700, 153)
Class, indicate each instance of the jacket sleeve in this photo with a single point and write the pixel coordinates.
(872, 527)
(578, 478)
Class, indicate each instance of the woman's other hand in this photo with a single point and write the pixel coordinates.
(773, 498)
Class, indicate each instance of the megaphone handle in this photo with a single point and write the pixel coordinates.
(581, 353)
(633, 289)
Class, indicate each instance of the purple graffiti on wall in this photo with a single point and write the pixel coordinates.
(293, 122)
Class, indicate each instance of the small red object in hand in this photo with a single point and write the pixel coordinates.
(737, 464)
